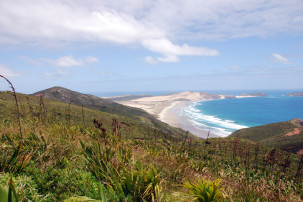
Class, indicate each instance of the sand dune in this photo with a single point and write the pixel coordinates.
(168, 108)
(184, 96)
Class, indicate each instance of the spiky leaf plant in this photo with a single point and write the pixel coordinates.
(8, 193)
(204, 190)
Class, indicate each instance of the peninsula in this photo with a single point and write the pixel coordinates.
(169, 108)
(297, 94)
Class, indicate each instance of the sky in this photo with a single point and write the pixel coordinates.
(151, 45)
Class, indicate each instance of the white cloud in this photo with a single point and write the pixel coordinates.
(70, 61)
(150, 60)
(278, 58)
(171, 52)
(168, 58)
(152, 24)
(133, 20)
(91, 59)
(165, 47)
(71, 22)
(8, 72)
(67, 61)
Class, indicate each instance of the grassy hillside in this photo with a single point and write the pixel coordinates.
(35, 109)
(104, 105)
(279, 135)
(65, 156)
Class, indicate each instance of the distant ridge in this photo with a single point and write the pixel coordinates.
(297, 94)
(66, 95)
(286, 135)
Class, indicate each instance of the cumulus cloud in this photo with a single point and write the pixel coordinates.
(278, 58)
(62, 21)
(8, 72)
(132, 20)
(171, 52)
(151, 24)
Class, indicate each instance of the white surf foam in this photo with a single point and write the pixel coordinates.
(214, 124)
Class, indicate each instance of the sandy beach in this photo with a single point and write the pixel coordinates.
(173, 115)
(169, 109)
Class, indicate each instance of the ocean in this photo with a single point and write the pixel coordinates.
(224, 116)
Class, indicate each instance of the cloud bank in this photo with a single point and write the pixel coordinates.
(158, 26)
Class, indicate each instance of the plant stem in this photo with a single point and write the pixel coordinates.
(17, 107)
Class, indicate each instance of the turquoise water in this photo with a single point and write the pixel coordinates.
(225, 116)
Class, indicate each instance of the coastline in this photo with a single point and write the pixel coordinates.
(170, 112)
(173, 115)
(169, 109)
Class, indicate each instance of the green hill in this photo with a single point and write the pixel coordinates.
(286, 135)
(33, 108)
(104, 105)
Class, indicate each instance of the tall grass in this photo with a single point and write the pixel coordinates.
(17, 106)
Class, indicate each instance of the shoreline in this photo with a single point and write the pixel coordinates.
(170, 112)
(173, 115)
(169, 109)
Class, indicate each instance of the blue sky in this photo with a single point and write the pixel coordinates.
(134, 45)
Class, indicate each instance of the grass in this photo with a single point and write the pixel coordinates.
(67, 156)
(274, 135)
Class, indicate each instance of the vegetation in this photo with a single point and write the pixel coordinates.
(79, 154)
(278, 135)
(104, 105)
(205, 190)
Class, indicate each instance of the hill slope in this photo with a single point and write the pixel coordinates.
(63, 154)
(286, 135)
(104, 105)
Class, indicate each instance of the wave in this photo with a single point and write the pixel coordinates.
(207, 122)
(214, 130)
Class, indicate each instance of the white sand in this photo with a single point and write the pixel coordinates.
(169, 109)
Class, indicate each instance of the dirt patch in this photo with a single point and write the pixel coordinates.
(296, 131)
(300, 152)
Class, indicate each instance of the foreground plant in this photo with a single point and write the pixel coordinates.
(204, 190)
(8, 193)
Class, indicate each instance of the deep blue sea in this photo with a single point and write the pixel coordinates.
(225, 116)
